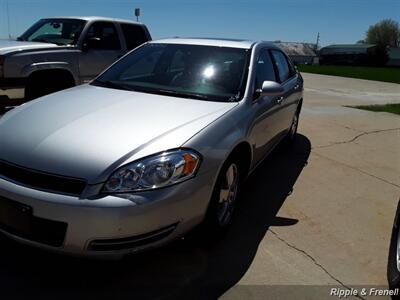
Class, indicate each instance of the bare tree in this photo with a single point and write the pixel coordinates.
(385, 33)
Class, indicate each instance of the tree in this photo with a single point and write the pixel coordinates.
(385, 33)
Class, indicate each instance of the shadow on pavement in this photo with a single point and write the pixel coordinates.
(186, 269)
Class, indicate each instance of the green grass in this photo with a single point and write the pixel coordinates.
(370, 73)
(393, 108)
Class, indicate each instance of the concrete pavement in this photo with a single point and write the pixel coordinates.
(346, 196)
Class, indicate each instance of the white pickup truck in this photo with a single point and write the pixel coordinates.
(58, 53)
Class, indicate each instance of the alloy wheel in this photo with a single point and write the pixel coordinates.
(227, 195)
(293, 129)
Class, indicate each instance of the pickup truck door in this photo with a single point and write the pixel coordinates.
(101, 47)
(266, 124)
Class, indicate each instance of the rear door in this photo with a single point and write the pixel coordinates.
(288, 77)
(96, 58)
(134, 35)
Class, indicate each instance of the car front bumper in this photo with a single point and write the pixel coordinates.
(115, 224)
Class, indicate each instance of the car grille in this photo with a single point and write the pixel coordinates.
(42, 181)
(131, 242)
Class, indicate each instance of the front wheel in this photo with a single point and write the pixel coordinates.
(222, 204)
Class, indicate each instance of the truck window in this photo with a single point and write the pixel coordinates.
(107, 33)
(57, 31)
(134, 35)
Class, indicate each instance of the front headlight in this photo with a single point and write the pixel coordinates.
(154, 172)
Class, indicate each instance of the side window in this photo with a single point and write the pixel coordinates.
(282, 65)
(134, 35)
(265, 70)
(107, 35)
(291, 67)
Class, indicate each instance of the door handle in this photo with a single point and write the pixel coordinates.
(279, 100)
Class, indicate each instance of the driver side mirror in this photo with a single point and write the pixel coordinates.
(270, 88)
(91, 43)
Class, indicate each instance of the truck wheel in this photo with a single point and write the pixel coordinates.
(47, 82)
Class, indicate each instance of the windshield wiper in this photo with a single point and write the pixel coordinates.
(122, 86)
(113, 85)
(47, 42)
(235, 97)
(181, 94)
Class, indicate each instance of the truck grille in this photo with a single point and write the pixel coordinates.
(40, 180)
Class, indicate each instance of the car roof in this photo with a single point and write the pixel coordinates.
(96, 18)
(217, 42)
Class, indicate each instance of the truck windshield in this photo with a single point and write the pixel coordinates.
(181, 70)
(56, 31)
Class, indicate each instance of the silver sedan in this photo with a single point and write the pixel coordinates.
(156, 145)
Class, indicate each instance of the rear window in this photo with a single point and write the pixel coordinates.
(134, 35)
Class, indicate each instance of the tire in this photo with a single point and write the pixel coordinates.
(290, 137)
(393, 272)
(223, 200)
(39, 85)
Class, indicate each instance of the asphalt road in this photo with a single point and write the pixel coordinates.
(317, 215)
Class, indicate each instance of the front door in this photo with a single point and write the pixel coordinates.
(266, 125)
(290, 82)
(101, 47)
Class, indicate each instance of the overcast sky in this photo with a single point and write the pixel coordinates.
(338, 21)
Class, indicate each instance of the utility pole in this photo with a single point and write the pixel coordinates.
(317, 43)
(8, 20)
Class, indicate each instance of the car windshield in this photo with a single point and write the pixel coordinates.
(56, 31)
(181, 70)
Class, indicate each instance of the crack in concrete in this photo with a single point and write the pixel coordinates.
(314, 261)
(356, 137)
(357, 169)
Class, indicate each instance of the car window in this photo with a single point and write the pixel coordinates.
(143, 67)
(282, 65)
(57, 31)
(178, 62)
(265, 69)
(107, 35)
(134, 35)
(188, 71)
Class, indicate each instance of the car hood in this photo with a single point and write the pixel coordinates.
(88, 131)
(7, 46)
